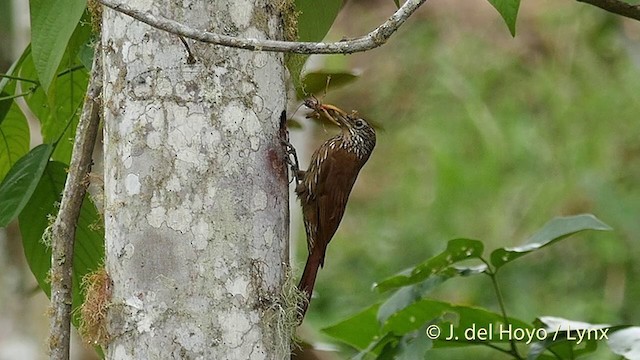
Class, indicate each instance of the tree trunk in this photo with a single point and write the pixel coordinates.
(196, 201)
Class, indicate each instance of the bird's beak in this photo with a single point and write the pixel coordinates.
(334, 114)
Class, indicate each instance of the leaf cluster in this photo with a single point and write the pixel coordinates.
(51, 77)
(403, 325)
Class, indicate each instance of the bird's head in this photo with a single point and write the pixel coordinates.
(357, 134)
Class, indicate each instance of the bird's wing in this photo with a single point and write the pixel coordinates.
(337, 176)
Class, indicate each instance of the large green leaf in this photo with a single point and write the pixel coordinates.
(358, 330)
(457, 250)
(553, 231)
(440, 324)
(5, 103)
(470, 325)
(38, 215)
(386, 347)
(7, 84)
(14, 137)
(57, 111)
(21, 181)
(314, 21)
(52, 24)
(69, 93)
(317, 82)
(414, 345)
(508, 9)
(569, 339)
(14, 129)
(408, 295)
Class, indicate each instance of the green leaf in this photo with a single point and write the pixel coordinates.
(561, 349)
(569, 339)
(508, 9)
(314, 22)
(14, 136)
(470, 325)
(318, 82)
(21, 181)
(5, 104)
(16, 65)
(57, 111)
(85, 55)
(295, 64)
(407, 295)
(52, 23)
(385, 347)
(358, 330)
(414, 345)
(553, 231)
(457, 250)
(456, 325)
(7, 86)
(37, 216)
(14, 129)
(410, 346)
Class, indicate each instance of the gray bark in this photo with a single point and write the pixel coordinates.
(196, 201)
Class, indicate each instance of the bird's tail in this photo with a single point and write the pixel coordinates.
(308, 280)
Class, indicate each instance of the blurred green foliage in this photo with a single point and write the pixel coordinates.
(489, 137)
(403, 325)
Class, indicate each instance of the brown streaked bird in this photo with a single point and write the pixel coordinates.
(324, 188)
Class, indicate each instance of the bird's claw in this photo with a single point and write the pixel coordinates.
(291, 157)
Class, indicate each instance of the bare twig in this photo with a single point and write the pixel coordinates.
(372, 40)
(190, 58)
(64, 228)
(616, 7)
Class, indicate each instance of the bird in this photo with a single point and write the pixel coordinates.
(324, 188)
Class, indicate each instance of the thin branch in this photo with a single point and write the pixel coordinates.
(616, 7)
(370, 41)
(70, 70)
(190, 58)
(64, 228)
(15, 96)
(18, 78)
(503, 310)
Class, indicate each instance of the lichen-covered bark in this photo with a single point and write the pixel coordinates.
(196, 201)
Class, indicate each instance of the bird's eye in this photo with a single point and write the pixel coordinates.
(359, 123)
